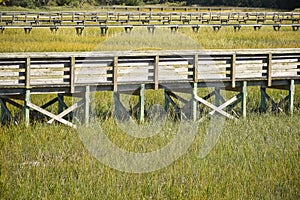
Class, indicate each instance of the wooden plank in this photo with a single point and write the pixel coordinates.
(49, 114)
(225, 104)
(67, 111)
(213, 107)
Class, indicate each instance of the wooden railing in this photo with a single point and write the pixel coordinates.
(71, 70)
(58, 18)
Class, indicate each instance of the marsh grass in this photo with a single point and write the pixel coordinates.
(254, 158)
(14, 40)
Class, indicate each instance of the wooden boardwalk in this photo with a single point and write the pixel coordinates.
(81, 18)
(151, 20)
(23, 74)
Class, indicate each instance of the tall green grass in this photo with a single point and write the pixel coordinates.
(256, 158)
(14, 40)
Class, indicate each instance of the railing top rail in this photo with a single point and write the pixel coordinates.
(151, 53)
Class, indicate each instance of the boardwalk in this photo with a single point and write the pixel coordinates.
(23, 74)
(151, 20)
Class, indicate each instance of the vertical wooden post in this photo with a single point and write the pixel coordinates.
(115, 73)
(269, 70)
(233, 70)
(3, 111)
(60, 105)
(195, 69)
(26, 108)
(141, 103)
(262, 99)
(291, 97)
(166, 103)
(156, 72)
(27, 73)
(87, 104)
(244, 99)
(194, 102)
(27, 93)
(72, 74)
(217, 99)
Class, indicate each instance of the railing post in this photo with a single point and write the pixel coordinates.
(72, 74)
(27, 73)
(115, 74)
(195, 68)
(233, 70)
(269, 70)
(156, 61)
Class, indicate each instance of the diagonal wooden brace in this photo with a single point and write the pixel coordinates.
(49, 114)
(215, 108)
(67, 111)
(227, 103)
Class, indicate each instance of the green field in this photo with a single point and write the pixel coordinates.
(255, 158)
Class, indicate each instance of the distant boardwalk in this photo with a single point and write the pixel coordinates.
(23, 74)
(104, 20)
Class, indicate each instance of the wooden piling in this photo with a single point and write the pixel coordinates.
(141, 103)
(291, 97)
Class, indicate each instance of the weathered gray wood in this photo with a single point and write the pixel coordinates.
(244, 99)
(206, 103)
(141, 113)
(26, 107)
(115, 74)
(233, 70)
(291, 97)
(87, 102)
(156, 61)
(194, 102)
(195, 67)
(224, 105)
(49, 114)
(72, 74)
(66, 111)
(138, 67)
(269, 70)
(27, 73)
